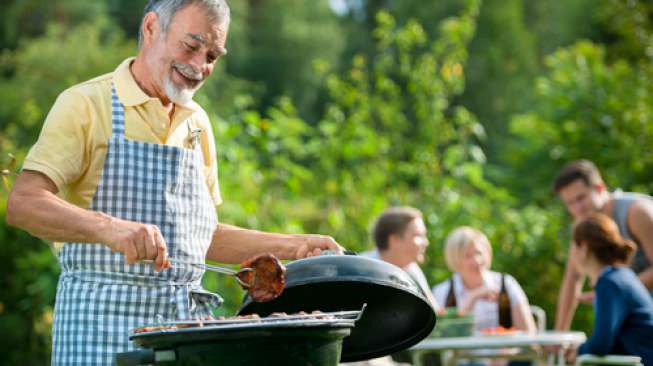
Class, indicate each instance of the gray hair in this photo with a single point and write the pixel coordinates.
(218, 10)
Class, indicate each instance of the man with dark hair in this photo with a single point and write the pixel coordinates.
(582, 190)
(124, 171)
(400, 237)
(399, 234)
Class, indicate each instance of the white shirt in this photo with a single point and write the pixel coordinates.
(413, 270)
(485, 312)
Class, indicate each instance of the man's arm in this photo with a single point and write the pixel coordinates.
(232, 244)
(640, 224)
(572, 283)
(34, 207)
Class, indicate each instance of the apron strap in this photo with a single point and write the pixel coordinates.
(188, 298)
(117, 115)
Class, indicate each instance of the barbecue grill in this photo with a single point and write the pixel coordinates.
(301, 339)
(397, 316)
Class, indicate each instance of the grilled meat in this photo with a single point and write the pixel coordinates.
(267, 278)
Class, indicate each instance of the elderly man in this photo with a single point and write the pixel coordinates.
(582, 190)
(133, 159)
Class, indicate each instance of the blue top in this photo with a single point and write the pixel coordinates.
(623, 321)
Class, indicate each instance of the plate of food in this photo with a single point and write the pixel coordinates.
(500, 331)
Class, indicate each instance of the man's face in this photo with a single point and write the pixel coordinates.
(413, 241)
(184, 56)
(580, 198)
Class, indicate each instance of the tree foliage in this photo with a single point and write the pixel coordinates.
(321, 122)
(587, 108)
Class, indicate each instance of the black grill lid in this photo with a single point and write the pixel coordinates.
(397, 315)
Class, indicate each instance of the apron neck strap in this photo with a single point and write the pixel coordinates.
(117, 115)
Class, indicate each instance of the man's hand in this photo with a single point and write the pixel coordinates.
(572, 283)
(570, 355)
(310, 245)
(138, 242)
(586, 297)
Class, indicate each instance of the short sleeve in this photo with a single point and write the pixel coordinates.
(213, 184)
(515, 292)
(59, 152)
(440, 292)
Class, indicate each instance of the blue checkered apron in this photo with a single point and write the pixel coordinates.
(99, 297)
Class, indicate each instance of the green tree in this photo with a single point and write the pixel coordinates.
(21, 19)
(46, 65)
(275, 43)
(42, 67)
(587, 108)
(627, 29)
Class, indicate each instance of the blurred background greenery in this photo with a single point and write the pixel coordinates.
(326, 112)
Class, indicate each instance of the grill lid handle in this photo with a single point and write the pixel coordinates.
(144, 357)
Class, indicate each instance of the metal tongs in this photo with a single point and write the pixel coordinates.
(218, 269)
(240, 274)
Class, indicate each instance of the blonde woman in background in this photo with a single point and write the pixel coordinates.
(473, 288)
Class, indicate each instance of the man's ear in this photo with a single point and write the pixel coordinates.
(599, 187)
(151, 27)
(393, 240)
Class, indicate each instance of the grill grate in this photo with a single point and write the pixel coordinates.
(347, 318)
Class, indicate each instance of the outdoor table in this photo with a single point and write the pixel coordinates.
(457, 345)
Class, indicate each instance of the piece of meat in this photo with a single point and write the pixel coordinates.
(267, 278)
(253, 317)
(154, 328)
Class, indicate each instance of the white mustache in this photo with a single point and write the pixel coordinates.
(188, 71)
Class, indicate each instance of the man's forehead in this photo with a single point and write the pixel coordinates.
(574, 189)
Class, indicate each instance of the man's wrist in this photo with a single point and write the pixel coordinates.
(103, 229)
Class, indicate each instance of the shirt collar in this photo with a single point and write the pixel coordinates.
(130, 94)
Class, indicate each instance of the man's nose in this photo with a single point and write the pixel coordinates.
(577, 207)
(199, 63)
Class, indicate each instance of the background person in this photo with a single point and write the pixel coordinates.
(125, 170)
(583, 192)
(399, 234)
(474, 288)
(623, 308)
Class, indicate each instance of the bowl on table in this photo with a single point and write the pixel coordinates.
(451, 324)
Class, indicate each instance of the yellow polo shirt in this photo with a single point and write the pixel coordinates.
(72, 146)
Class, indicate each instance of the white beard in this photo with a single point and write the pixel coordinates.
(176, 94)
